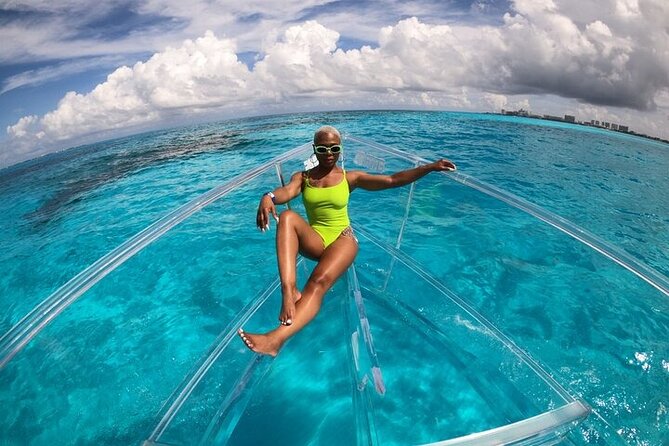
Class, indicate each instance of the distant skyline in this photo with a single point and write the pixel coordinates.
(72, 72)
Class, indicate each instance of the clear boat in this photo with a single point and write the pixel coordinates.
(394, 357)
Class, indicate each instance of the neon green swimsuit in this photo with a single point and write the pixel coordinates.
(327, 209)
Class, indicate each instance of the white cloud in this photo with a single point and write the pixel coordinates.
(199, 74)
(496, 101)
(627, 8)
(541, 48)
(46, 74)
(23, 126)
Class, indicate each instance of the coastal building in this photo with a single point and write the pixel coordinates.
(572, 119)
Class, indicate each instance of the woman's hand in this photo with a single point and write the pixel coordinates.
(442, 165)
(265, 208)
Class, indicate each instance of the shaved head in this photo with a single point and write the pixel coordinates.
(326, 130)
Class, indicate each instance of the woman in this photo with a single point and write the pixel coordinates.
(327, 237)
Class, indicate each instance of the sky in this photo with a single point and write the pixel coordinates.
(76, 71)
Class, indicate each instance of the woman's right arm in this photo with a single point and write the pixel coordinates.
(281, 195)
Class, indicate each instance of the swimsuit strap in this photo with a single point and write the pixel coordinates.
(305, 175)
(305, 178)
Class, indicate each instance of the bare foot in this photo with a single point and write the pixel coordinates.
(290, 297)
(260, 343)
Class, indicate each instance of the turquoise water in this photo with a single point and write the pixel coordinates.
(105, 367)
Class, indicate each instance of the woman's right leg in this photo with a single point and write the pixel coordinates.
(293, 235)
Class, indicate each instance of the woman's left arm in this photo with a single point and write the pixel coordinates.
(368, 181)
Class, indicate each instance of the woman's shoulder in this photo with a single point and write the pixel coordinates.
(352, 174)
(300, 175)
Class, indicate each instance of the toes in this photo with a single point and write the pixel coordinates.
(246, 340)
(289, 321)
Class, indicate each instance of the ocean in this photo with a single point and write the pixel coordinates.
(103, 370)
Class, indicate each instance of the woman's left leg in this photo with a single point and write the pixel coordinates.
(333, 263)
(293, 235)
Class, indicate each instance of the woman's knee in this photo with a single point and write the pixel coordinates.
(287, 217)
(321, 280)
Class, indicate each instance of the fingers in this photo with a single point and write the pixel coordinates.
(265, 217)
(444, 164)
(262, 218)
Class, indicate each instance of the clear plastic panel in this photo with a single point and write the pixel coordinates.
(366, 363)
(447, 372)
(106, 368)
(193, 404)
(306, 396)
(558, 298)
(640, 269)
(492, 382)
(20, 334)
(496, 382)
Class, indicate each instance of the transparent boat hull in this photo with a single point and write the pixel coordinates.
(396, 356)
(414, 376)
